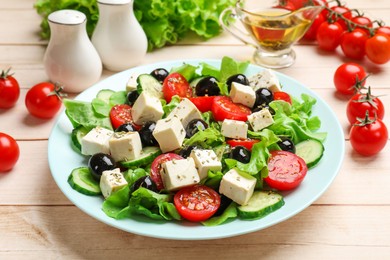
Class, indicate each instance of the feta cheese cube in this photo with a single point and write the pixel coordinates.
(205, 160)
(112, 181)
(237, 187)
(180, 173)
(146, 108)
(260, 119)
(125, 146)
(242, 94)
(185, 112)
(234, 129)
(169, 134)
(96, 141)
(132, 83)
(265, 79)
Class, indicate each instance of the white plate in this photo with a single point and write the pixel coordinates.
(62, 160)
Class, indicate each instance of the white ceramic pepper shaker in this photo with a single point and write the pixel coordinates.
(118, 36)
(70, 58)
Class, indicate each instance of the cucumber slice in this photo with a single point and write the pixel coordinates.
(150, 85)
(82, 181)
(148, 154)
(105, 95)
(77, 134)
(311, 151)
(261, 204)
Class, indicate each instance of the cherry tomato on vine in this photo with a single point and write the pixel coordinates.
(197, 203)
(368, 136)
(353, 44)
(9, 89)
(378, 48)
(346, 13)
(383, 30)
(348, 76)
(311, 33)
(9, 152)
(362, 20)
(328, 35)
(44, 100)
(361, 103)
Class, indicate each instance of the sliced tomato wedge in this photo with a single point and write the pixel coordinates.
(224, 108)
(121, 114)
(197, 203)
(176, 84)
(282, 96)
(203, 104)
(285, 170)
(247, 143)
(156, 168)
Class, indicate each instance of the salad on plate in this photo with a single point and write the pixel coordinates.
(194, 142)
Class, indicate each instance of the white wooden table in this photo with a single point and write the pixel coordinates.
(351, 220)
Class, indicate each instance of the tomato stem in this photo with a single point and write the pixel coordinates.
(5, 74)
(58, 88)
(366, 120)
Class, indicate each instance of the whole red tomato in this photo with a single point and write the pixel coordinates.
(9, 90)
(378, 48)
(328, 35)
(353, 44)
(361, 103)
(368, 136)
(345, 12)
(348, 77)
(44, 100)
(362, 20)
(383, 30)
(311, 33)
(9, 152)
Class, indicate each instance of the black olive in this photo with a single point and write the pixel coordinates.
(100, 162)
(146, 134)
(286, 145)
(144, 181)
(225, 202)
(241, 154)
(126, 127)
(238, 78)
(160, 74)
(258, 108)
(263, 97)
(186, 151)
(132, 97)
(207, 86)
(194, 126)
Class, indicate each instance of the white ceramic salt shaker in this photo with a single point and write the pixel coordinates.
(70, 58)
(118, 36)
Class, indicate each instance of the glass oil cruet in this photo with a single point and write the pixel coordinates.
(118, 36)
(70, 58)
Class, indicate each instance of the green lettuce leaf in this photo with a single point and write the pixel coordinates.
(230, 212)
(116, 205)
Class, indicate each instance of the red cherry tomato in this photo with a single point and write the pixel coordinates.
(346, 76)
(328, 35)
(378, 48)
(360, 103)
(156, 168)
(280, 95)
(311, 33)
(121, 114)
(203, 103)
(176, 84)
(286, 170)
(43, 100)
(353, 44)
(288, 5)
(370, 138)
(362, 20)
(346, 13)
(247, 143)
(9, 90)
(9, 152)
(224, 108)
(197, 203)
(383, 30)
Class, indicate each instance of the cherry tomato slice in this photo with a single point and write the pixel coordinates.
(282, 96)
(176, 84)
(247, 143)
(285, 170)
(155, 169)
(197, 203)
(224, 108)
(121, 114)
(203, 103)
